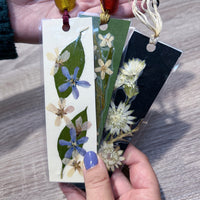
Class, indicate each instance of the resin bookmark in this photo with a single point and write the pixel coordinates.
(69, 97)
(140, 78)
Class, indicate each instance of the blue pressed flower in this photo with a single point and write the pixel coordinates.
(73, 144)
(72, 82)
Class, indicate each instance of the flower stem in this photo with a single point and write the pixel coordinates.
(121, 136)
(61, 173)
(107, 136)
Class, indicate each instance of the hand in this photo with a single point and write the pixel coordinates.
(26, 15)
(143, 183)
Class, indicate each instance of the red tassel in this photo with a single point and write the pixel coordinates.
(110, 5)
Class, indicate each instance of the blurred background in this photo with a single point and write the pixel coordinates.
(170, 138)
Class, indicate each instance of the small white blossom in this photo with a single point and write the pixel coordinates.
(106, 40)
(80, 126)
(104, 68)
(119, 118)
(111, 156)
(58, 59)
(129, 73)
(121, 79)
(76, 164)
(61, 112)
(133, 67)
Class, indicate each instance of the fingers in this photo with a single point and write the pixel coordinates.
(120, 184)
(142, 175)
(97, 181)
(143, 181)
(72, 192)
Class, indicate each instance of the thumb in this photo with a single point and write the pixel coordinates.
(97, 181)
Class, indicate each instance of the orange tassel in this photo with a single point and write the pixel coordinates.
(65, 4)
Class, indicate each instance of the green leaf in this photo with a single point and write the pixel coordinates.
(65, 134)
(76, 59)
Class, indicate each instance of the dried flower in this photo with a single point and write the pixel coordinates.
(106, 40)
(104, 68)
(75, 164)
(73, 144)
(129, 73)
(133, 67)
(72, 82)
(58, 59)
(119, 118)
(61, 112)
(111, 156)
(80, 126)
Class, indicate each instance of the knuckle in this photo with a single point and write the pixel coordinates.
(97, 180)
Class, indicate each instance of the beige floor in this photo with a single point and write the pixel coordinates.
(171, 139)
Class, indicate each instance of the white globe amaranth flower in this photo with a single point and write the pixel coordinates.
(111, 156)
(119, 118)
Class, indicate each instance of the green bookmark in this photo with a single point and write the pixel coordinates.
(109, 41)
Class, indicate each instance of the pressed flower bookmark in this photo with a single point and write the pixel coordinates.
(141, 76)
(70, 113)
(109, 41)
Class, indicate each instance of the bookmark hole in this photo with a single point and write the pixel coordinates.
(65, 27)
(151, 47)
(103, 27)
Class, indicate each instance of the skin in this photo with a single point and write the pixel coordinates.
(26, 15)
(143, 184)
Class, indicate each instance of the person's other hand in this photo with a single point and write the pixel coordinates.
(26, 15)
(143, 184)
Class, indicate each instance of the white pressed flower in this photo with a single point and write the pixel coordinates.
(75, 164)
(129, 74)
(133, 67)
(61, 112)
(119, 118)
(130, 81)
(106, 40)
(121, 79)
(58, 59)
(80, 126)
(104, 68)
(111, 156)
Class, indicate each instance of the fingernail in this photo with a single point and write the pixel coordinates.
(90, 159)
